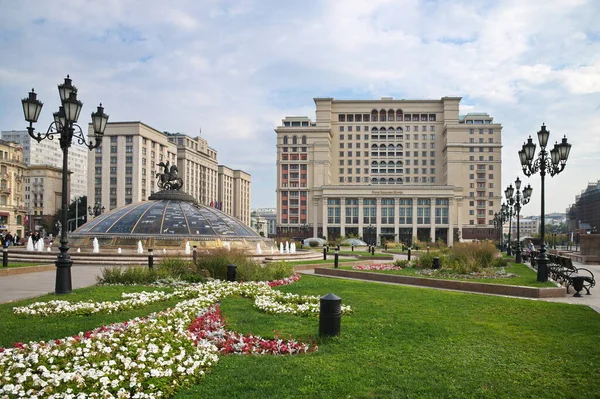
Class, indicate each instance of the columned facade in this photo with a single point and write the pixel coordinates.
(389, 170)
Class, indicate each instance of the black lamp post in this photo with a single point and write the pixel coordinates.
(97, 210)
(505, 213)
(65, 126)
(370, 232)
(553, 162)
(517, 202)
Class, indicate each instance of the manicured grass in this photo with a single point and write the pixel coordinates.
(417, 343)
(399, 342)
(26, 264)
(525, 276)
(20, 328)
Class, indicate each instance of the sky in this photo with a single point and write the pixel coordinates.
(233, 70)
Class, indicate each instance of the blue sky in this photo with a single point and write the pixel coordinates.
(236, 68)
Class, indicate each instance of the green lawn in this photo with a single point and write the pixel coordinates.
(318, 261)
(26, 264)
(399, 342)
(417, 343)
(525, 276)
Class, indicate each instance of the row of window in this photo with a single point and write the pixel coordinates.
(294, 140)
(380, 153)
(384, 116)
(375, 180)
(397, 130)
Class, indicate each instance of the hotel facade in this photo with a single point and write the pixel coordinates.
(389, 170)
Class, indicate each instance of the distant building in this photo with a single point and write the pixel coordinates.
(270, 216)
(13, 213)
(527, 226)
(43, 196)
(123, 169)
(48, 152)
(584, 214)
(389, 170)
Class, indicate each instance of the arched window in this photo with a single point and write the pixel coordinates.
(382, 129)
(19, 219)
(399, 180)
(391, 115)
(382, 164)
(285, 139)
(382, 115)
(391, 163)
(399, 130)
(399, 163)
(374, 115)
(374, 163)
(391, 180)
(399, 115)
(374, 129)
(295, 140)
(399, 147)
(382, 147)
(382, 181)
(374, 146)
(374, 180)
(303, 139)
(391, 147)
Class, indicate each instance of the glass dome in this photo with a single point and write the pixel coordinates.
(167, 222)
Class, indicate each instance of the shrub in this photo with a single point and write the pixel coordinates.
(215, 264)
(167, 269)
(403, 263)
(472, 256)
(425, 260)
(313, 244)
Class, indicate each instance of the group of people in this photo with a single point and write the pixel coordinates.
(8, 239)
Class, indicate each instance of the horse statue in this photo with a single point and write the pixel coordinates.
(168, 180)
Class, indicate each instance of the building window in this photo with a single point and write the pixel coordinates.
(129, 149)
(113, 139)
(113, 149)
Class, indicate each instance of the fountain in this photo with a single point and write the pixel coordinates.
(140, 249)
(96, 246)
(281, 247)
(272, 251)
(78, 250)
(293, 248)
(119, 250)
(30, 244)
(40, 244)
(188, 250)
(48, 249)
(258, 249)
(226, 245)
(164, 251)
(287, 247)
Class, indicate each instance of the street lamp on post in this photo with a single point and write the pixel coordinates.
(518, 200)
(97, 210)
(65, 125)
(509, 208)
(552, 163)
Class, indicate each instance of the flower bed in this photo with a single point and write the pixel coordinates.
(145, 357)
(384, 266)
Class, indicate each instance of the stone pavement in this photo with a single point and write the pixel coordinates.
(30, 285)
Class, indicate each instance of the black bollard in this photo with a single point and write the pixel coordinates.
(150, 259)
(5, 257)
(436, 262)
(336, 260)
(352, 247)
(231, 272)
(330, 316)
(409, 253)
(195, 254)
(373, 250)
(324, 253)
(338, 247)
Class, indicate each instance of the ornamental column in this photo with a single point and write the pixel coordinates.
(342, 217)
(432, 219)
(450, 221)
(324, 205)
(414, 218)
(315, 217)
(459, 221)
(378, 222)
(397, 219)
(360, 218)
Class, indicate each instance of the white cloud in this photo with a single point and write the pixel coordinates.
(236, 68)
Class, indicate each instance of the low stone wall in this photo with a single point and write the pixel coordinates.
(497, 289)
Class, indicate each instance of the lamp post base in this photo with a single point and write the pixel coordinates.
(63, 273)
(518, 258)
(542, 268)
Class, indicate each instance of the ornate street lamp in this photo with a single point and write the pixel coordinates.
(65, 125)
(553, 163)
(517, 202)
(97, 210)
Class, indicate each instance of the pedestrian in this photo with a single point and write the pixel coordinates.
(8, 239)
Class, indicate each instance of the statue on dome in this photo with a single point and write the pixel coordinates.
(169, 179)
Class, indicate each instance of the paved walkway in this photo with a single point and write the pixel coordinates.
(30, 285)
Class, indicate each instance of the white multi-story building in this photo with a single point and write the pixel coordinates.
(48, 152)
(389, 170)
(270, 216)
(123, 170)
